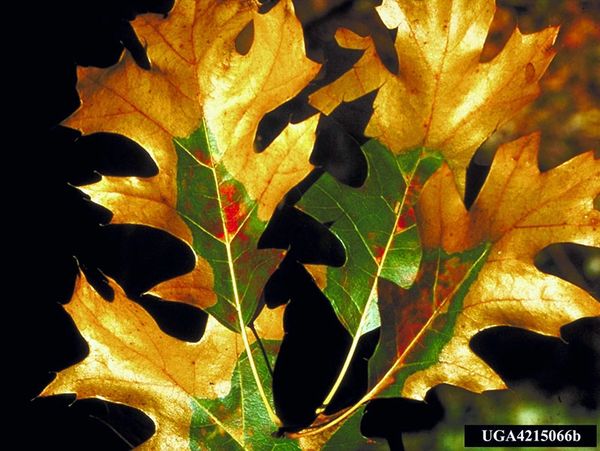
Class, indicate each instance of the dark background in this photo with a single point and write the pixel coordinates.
(76, 236)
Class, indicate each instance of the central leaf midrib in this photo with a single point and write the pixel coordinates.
(379, 265)
(391, 236)
(230, 262)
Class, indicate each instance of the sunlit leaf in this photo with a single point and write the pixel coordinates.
(376, 224)
(479, 270)
(442, 97)
(196, 112)
(131, 361)
(420, 266)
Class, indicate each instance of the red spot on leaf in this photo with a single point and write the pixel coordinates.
(232, 214)
(233, 210)
(413, 309)
(405, 220)
(231, 318)
(450, 275)
(202, 156)
(529, 73)
(407, 217)
(401, 224)
(413, 190)
(411, 318)
(242, 236)
(378, 252)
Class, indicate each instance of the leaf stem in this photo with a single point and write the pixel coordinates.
(245, 340)
(345, 367)
(262, 347)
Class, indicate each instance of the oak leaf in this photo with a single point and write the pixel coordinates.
(478, 271)
(518, 213)
(376, 224)
(194, 392)
(443, 97)
(196, 112)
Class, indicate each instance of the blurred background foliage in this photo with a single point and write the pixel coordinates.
(567, 113)
(521, 405)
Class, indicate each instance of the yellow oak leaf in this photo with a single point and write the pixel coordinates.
(518, 212)
(443, 98)
(196, 112)
(131, 361)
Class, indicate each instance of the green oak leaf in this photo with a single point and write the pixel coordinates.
(225, 227)
(376, 225)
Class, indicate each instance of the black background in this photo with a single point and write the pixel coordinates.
(76, 236)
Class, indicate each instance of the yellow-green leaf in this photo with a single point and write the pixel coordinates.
(519, 211)
(478, 272)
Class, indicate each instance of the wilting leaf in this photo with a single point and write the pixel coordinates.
(131, 361)
(478, 270)
(196, 112)
(443, 97)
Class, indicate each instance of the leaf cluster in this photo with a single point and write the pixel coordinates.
(281, 163)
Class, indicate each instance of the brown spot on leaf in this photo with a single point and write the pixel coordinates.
(529, 73)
